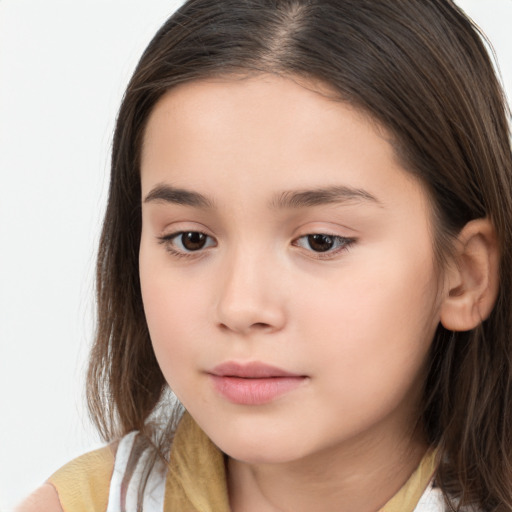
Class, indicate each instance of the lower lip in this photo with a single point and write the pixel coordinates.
(246, 391)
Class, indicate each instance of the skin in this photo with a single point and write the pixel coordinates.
(44, 499)
(356, 321)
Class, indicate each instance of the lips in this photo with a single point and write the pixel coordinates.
(253, 383)
(250, 371)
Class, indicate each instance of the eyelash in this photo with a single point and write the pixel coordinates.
(342, 243)
(167, 241)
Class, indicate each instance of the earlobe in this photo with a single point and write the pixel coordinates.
(471, 282)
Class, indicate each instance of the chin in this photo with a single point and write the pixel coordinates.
(251, 449)
(250, 455)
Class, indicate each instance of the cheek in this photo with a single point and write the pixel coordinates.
(173, 322)
(175, 313)
(374, 327)
(374, 293)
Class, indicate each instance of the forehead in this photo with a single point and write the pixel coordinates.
(264, 133)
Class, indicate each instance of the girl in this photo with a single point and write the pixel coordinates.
(308, 240)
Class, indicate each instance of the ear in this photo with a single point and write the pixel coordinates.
(472, 281)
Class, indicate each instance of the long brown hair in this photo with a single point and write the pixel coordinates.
(418, 67)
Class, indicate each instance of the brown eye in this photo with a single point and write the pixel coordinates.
(320, 243)
(185, 243)
(193, 240)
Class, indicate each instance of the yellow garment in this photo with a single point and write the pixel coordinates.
(196, 480)
(406, 499)
(83, 484)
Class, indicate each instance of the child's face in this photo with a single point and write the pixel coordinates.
(306, 248)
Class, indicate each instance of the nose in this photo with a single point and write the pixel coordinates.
(251, 295)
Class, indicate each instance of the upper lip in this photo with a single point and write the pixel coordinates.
(253, 370)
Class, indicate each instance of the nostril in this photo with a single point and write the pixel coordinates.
(255, 326)
(249, 314)
(260, 325)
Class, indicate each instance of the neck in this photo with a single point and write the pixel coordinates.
(362, 477)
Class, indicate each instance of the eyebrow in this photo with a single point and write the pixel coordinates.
(167, 194)
(321, 196)
(287, 199)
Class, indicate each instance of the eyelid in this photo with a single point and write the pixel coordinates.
(168, 239)
(344, 242)
(341, 244)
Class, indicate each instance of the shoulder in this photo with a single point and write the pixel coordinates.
(44, 499)
(91, 465)
(82, 485)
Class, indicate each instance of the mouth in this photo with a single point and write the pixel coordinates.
(254, 370)
(253, 383)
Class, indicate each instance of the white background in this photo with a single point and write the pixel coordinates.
(63, 68)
